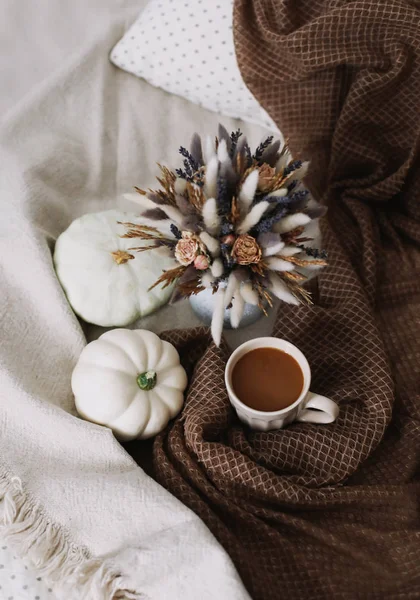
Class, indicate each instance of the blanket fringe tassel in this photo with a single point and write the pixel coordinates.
(46, 547)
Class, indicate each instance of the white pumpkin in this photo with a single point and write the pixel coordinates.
(130, 381)
(106, 283)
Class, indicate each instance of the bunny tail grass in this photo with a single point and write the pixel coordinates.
(218, 316)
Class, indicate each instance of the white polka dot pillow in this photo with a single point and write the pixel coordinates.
(186, 47)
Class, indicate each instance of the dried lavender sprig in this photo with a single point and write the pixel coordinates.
(234, 137)
(293, 166)
(191, 179)
(267, 223)
(223, 197)
(188, 169)
(260, 150)
(187, 174)
(279, 200)
(226, 228)
(314, 252)
(271, 154)
(248, 155)
(189, 158)
(175, 231)
(300, 194)
(299, 199)
(181, 174)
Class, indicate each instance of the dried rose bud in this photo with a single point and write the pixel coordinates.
(245, 250)
(266, 174)
(201, 262)
(186, 249)
(229, 239)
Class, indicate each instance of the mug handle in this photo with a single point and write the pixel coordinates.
(326, 410)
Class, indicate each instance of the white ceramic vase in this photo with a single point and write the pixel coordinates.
(203, 305)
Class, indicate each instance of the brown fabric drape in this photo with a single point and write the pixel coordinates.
(326, 511)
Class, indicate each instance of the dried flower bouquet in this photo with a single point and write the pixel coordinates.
(238, 224)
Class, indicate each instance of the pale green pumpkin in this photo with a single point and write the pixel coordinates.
(106, 282)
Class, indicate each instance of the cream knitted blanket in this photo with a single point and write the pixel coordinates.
(76, 133)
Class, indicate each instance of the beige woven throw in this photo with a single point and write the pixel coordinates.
(327, 511)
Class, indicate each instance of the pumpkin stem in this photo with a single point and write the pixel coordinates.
(147, 380)
(121, 256)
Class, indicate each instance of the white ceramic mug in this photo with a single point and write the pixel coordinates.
(326, 411)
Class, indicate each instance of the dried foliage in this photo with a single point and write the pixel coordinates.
(195, 196)
(169, 277)
(144, 232)
(167, 181)
(234, 211)
(300, 262)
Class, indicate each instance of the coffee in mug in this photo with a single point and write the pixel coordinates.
(267, 379)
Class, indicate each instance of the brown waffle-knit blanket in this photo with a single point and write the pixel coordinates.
(327, 511)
